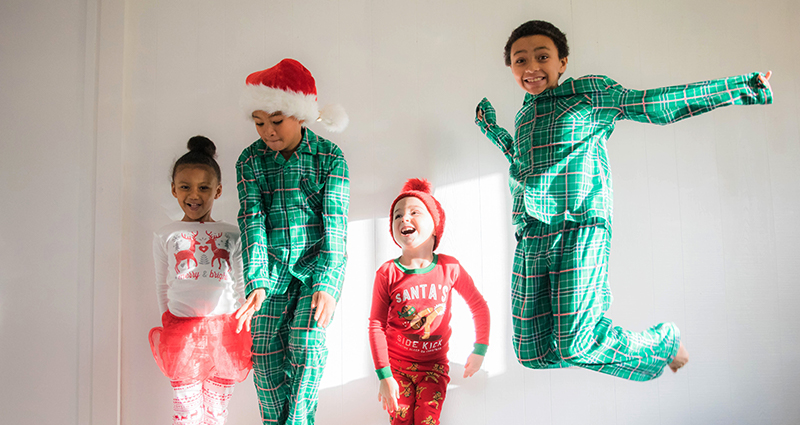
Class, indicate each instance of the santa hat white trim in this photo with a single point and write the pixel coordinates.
(268, 99)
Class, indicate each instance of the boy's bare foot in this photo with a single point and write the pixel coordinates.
(680, 359)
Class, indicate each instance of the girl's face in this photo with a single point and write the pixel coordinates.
(196, 188)
(412, 224)
(535, 63)
(280, 133)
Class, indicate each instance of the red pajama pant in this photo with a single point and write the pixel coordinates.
(422, 390)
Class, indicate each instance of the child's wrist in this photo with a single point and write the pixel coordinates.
(480, 349)
(383, 373)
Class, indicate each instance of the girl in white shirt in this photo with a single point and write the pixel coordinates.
(199, 286)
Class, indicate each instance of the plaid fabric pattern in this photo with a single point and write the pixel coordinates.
(289, 356)
(559, 166)
(293, 215)
(559, 296)
(423, 387)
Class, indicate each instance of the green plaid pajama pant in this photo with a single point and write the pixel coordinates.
(559, 296)
(289, 356)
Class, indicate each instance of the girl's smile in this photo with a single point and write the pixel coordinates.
(196, 187)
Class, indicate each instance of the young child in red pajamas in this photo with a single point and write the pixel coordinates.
(409, 325)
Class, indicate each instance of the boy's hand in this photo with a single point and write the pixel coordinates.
(388, 394)
(765, 79)
(325, 305)
(250, 307)
(485, 113)
(474, 362)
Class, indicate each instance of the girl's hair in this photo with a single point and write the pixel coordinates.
(538, 28)
(201, 152)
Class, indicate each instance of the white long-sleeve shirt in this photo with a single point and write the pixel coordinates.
(198, 268)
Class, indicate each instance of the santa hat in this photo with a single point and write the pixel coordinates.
(422, 190)
(289, 87)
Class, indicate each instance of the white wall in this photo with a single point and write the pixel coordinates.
(41, 220)
(704, 217)
(59, 308)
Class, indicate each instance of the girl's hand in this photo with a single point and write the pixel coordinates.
(250, 307)
(325, 305)
(474, 362)
(388, 394)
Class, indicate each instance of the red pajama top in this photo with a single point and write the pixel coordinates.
(410, 317)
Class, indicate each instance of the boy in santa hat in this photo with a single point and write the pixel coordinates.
(409, 324)
(294, 191)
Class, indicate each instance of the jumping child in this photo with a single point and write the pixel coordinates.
(409, 324)
(294, 193)
(560, 182)
(199, 286)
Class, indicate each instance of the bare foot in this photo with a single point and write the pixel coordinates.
(680, 359)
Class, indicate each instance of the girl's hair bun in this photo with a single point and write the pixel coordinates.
(202, 151)
(202, 144)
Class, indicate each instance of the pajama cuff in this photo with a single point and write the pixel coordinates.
(676, 343)
(480, 349)
(384, 373)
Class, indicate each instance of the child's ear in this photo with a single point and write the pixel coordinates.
(219, 192)
(563, 68)
(174, 193)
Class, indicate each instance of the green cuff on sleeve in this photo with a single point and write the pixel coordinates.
(384, 373)
(480, 349)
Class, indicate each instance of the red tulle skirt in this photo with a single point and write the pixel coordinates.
(196, 348)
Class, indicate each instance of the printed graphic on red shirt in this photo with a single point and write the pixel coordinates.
(419, 311)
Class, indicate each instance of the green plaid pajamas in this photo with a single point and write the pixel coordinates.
(560, 294)
(289, 356)
(293, 220)
(561, 187)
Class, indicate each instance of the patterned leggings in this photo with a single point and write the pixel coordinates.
(559, 296)
(423, 387)
(201, 403)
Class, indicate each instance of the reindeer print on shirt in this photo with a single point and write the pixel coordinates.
(186, 254)
(219, 253)
(192, 265)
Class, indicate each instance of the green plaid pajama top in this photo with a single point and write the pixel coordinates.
(293, 215)
(559, 166)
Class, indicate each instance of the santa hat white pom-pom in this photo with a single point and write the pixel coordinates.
(333, 118)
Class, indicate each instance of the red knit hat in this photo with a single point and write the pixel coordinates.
(290, 88)
(422, 190)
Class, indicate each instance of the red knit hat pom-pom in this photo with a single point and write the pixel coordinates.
(419, 185)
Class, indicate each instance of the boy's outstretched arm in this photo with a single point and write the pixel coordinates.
(486, 118)
(670, 104)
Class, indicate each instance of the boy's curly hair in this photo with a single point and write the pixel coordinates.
(538, 28)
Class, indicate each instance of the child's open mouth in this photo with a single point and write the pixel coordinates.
(407, 231)
(533, 80)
